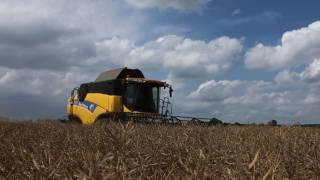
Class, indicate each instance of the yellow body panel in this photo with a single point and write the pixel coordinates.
(125, 109)
(101, 100)
(69, 106)
(115, 104)
(84, 114)
(94, 105)
(87, 117)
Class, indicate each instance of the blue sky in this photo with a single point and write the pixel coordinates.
(263, 21)
(245, 60)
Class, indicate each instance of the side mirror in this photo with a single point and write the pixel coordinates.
(170, 91)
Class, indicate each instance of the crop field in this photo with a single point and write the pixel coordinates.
(52, 150)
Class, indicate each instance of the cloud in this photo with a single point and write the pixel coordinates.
(181, 5)
(163, 30)
(182, 58)
(311, 74)
(37, 93)
(113, 51)
(40, 82)
(44, 46)
(49, 35)
(185, 58)
(290, 97)
(236, 12)
(297, 47)
(215, 90)
(257, 101)
(266, 17)
(287, 77)
(49, 47)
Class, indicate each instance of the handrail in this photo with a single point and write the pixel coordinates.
(166, 104)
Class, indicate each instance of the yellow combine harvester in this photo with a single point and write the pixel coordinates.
(117, 92)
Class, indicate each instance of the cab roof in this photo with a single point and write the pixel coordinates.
(120, 73)
(147, 81)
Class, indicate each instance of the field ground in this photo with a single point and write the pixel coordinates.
(52, 150)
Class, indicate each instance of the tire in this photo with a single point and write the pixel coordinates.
(73, 120)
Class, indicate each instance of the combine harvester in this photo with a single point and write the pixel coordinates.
(124, 94)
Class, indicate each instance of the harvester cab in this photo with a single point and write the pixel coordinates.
(143, 95)
(120, 92)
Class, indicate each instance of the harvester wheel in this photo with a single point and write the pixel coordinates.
(74, 120)
(104, 119)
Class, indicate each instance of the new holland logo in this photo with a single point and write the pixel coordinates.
(88, 105)
(83, 105)
(92, 107)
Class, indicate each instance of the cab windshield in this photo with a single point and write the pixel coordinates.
(142, 97)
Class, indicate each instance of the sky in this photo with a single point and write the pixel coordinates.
(237, 60)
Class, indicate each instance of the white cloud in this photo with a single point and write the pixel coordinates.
(181, 5)
(56, 34)
(182, 58)
(40, 82)
(243, 101)
(297, 47)
(101, 18)
(186, 59)
(44, 47)
(49, 47)
(215, 90)
(28, 93)
(287, 77)
(311, 74)
(112, 51)
(312, 99)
